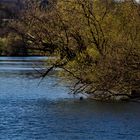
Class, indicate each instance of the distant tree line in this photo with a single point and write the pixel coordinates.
(11, 43)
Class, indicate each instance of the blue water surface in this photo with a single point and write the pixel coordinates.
(33, 111)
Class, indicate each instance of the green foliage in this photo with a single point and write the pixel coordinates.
(97, 43)
(15, 46)
(12, 45)
(3, 44)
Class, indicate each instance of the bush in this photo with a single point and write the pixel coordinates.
(3, 44)
(15, 46)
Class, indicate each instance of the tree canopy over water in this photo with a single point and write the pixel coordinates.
(96, 43)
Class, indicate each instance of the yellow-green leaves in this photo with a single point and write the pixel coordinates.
(97, 40)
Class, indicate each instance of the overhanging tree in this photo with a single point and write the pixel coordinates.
(97, 43)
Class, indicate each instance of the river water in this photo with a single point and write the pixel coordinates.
(33, 111)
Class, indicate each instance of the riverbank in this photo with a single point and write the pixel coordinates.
(12, 45)
(133, 96)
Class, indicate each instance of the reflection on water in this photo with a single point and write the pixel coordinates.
(47, 112)
(31, 66)
(22, 64)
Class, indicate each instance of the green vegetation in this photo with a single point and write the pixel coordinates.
(97, 42)
(3, 43)
(11, 43)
